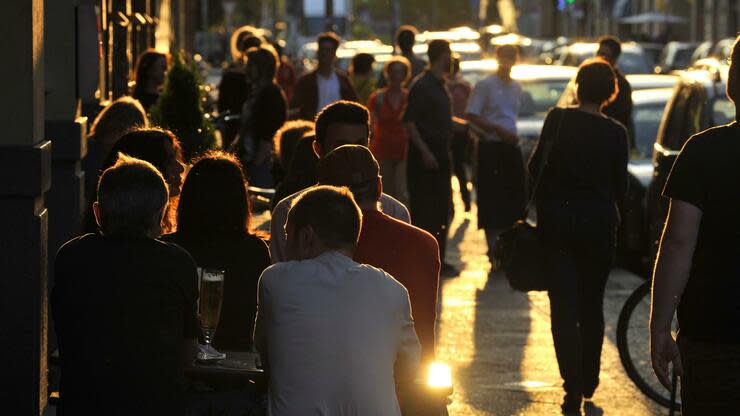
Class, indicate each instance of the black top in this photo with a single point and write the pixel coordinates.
(233, 91)
(706, 174)
(430, 109)
(123, 309)
(147, 99)
(243, 260)
(621, 108)
(268, 113)
(585, 178)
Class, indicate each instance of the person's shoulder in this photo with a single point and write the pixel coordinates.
(381, 277)
(708, 140)
(411, 234)
(80, 243)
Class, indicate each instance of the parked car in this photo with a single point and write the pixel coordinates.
(542, 85)
(675, 56)
(633, 59)
(698, 103)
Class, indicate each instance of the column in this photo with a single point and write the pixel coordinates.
(25, 169)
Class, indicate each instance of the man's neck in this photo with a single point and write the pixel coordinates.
(326, 71)
(438, 72)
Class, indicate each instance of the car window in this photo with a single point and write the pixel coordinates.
(539, 96)
(723, 111)
(692, 122)
(682, 58)
(633, 63)
(670, 134)
(646, 119)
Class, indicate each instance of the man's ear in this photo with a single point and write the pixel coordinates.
(96, 212)
(316, 148)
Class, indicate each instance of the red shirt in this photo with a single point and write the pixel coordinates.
(390, 139)
(411, 256)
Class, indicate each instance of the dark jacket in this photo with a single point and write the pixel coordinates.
(306, 94)
(621, 108)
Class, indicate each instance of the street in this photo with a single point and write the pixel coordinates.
(498, 341)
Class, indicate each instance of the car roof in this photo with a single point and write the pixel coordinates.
(522, 72)
(651, 95)
(592, 47)
(645, 81)
(456, 47)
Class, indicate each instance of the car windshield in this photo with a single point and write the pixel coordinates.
(682, 58)
(538, 96)
(647, 119)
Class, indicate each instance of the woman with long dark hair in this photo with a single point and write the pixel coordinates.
(578, 200)
(160, 148)
(263, 114)
(149, 77)
(213, 224)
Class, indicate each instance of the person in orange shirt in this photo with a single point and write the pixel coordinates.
(391, 140)
(408, 253)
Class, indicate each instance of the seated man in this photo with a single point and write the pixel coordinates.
(334, 334)
(123, 303)
(342, 122)
(408, 253)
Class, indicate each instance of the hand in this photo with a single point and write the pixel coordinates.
(664, 350)
(430, 162)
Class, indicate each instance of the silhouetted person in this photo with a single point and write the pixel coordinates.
(301, 172)
(501, 182)
(323, 86)
(285, 141)
(286, 75)
(333, 334)
(149, 75)
(343, 122)
(583, 184)
(390, 142)
(696, 271)
(262, 114)
(124, 303)
(610, 48)
(361, 76)
(405, 40)
(213, 219)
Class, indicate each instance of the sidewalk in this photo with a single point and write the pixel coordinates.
(499, 345)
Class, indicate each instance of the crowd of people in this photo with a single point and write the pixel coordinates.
(340, 299)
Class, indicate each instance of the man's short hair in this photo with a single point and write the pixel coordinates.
(510, 52)
(398, 60)
(265, 59)
(436, 49)
(332, 214)
(287, 137)
(406, 37)
(596, 81)
(342, 111)
(132, 196)
(613, 43)
(329, 37)
(352, 166)
(362, 63)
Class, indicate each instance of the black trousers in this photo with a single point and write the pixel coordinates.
(459, 156)
(577, 312)
(430, 196)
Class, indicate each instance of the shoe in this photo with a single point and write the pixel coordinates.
(448, 270)
(571, 404)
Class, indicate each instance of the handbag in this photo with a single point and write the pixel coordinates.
(518, 250)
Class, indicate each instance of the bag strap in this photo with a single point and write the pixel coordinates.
(545, 156)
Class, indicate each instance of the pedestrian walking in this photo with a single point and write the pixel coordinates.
(286, 74)
(405, 41)
(500, 178)
(390, 138)
(285, 141)
(429, 122)
(460, 91)
(335, 336)
(149, 74)
(343, 122)
(610, 48)
(361, 76)
(262, 114)
(696, 270)
(323, 86)
(583, 184)
(213, 219)
(124, 303)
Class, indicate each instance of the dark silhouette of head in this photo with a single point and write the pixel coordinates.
(286, 139)
(150, 71)
(156, 146)
(323, 218)
(262, 63)
(131, 199)
(214, 202)
(355, 167)
(406, 37)
(339, 123)
(397, 69)
(362, 63)
(596, 82)
(733, 80)
(115, 119)
(327, 42)
(242, 39)
(610, 47)
(439, 53)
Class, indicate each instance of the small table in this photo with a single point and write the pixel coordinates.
(238, 365)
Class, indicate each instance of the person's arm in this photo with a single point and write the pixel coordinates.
(506, 136)
(621, 175)
(277, 231)
(409, 349)
(430, 162)
(669, 281)
(414, 112)
(261, 319)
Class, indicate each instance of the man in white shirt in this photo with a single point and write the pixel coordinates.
(323, 86)
(338, 124)
(335, 335)
(492, 112)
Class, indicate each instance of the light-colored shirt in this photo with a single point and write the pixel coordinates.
(332, 330)
(497, 101)
(389, 205)
(328, 90)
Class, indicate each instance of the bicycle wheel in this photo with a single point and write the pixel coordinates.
(633, 343)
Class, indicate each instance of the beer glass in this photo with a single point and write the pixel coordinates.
(209, 303)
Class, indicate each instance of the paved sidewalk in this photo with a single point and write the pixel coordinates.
(499, 345)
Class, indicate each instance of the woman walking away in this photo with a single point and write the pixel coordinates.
(263, 114)
(578, 198)
(149, 77)
(390, 140)
(213, 218)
